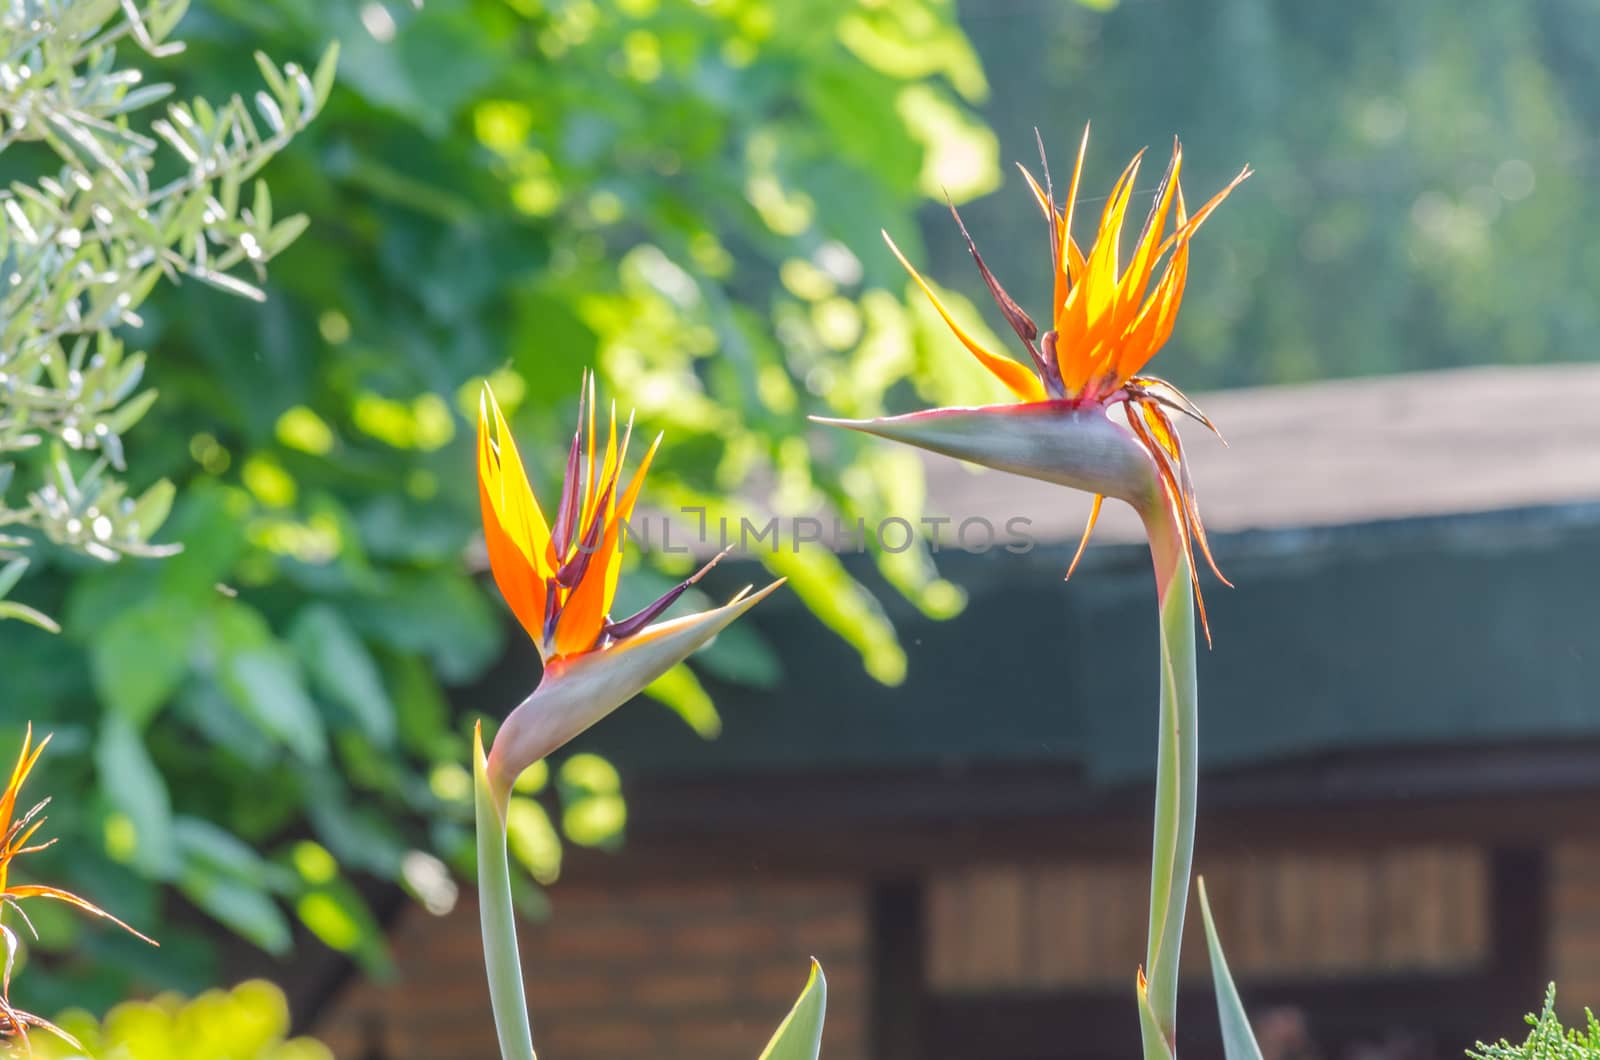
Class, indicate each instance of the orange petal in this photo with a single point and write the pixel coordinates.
(513, 498)
(19, 774)
(1172, 493)
(1083, 543)
(630, 497)
(1187, 226)
(1017, 377)
(1137, 278)
(510, 530)
(1067, 269)
(519, 582)
(1155, 321)
(39, 890)
(584, 612)
(1100, 273)
(1085, 321)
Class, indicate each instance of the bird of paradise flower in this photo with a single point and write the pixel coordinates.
(1106, 325)
(1086, 417)
(18, 837)
(559, 577)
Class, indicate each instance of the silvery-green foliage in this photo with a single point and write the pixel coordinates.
(88, 234)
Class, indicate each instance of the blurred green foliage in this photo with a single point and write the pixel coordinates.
(683, 195)
(249, 1022)
(1422, 172)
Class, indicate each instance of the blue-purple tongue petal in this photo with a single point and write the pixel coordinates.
(572, 571)
(635, 622)
(567, 512)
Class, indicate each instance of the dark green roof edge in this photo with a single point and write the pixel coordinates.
(1452, 631)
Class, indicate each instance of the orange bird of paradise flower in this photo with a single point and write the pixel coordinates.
(559, 577)
(17, 838)
(1108, 318)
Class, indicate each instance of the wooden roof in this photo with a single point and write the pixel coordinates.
(1349, 451)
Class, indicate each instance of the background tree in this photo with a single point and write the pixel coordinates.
(511, 190)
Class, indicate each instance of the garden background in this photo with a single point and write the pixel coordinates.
(263, 737)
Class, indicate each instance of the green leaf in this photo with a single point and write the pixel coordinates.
(221, 853)
(742, 656)
(12, 609)
(270, 74)
(799, 1036)
(151, 511)
(10, 574)
(342, 669)
(844, 606)
(360, 835)
(138, 795)
(441, 614)
(1238, 1041)
(423, 714)
(681, 692)
(232, 883)
(131, 412)
(245, 909)
(140, 658)
(335, 913)
(266, 685)
(322, 77)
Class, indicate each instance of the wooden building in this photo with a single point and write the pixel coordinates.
(1400, 813)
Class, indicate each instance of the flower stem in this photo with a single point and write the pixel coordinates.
(1177, 760)
(498, 919)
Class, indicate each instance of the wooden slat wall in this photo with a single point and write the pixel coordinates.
(1575, 926)
(1013, 927)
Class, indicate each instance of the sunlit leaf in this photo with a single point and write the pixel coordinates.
(341, 668)
(799, 1037)
(125, 768)
(1238, 1040)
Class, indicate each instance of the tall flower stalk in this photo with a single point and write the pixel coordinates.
(1087, 417)
(559, 575)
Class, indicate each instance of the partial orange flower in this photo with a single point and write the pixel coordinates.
(560, 576)
(1107, 320)
(17, 834)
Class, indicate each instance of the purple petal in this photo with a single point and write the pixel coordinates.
(634, 623)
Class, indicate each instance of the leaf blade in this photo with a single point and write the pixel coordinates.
(799, 1036)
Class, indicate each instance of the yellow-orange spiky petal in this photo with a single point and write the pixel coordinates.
(584, 612)
(514, 530)
(1083, 542)
(1069, 264)
(1016, 376)
(1137, 278)
(625, 506)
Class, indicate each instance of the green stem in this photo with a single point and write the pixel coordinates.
(498, 919)
(1177, 773)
